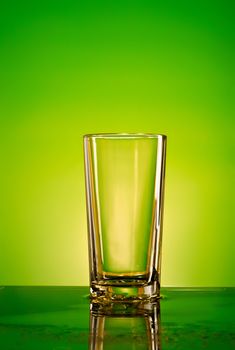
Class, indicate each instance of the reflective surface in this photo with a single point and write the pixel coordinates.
(128, 326)
(59, 318)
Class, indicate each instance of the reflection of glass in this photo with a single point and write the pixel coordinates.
(124, 327)
(124, 188)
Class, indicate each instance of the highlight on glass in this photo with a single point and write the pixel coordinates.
(125, 194)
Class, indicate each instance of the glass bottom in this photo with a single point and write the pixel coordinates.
(125, 293)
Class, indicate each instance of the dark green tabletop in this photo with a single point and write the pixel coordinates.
(59, 318)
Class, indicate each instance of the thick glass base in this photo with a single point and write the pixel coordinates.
(125, 293)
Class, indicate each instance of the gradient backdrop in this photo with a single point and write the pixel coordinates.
(73, 67)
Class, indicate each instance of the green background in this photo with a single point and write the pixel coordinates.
(73, 67)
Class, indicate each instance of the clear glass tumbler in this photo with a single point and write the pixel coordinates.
(124, 192)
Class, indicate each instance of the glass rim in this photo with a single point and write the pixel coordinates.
(123, 136)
